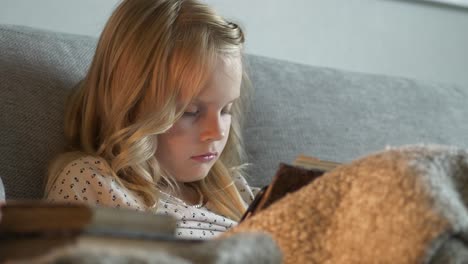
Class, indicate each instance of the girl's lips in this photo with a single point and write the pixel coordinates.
(205, 157)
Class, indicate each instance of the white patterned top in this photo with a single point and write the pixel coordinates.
(84, 180)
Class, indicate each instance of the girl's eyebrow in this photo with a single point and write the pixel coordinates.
(198, 101)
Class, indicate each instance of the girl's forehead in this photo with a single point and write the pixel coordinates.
(222, 84)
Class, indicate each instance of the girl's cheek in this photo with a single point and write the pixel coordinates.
(179, 128)
(183, 124)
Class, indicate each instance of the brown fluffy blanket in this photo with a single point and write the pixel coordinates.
(401, 205)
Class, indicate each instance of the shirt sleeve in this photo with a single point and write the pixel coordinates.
(83, 180)
(247, 192)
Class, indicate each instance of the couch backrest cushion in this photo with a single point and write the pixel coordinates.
(340, 115)
(327, 113)
(37, 68)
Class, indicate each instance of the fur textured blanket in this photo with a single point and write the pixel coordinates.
(401, 205)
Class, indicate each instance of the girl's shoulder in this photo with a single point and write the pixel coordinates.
(84, 168)
(85, 163)
(88, 179)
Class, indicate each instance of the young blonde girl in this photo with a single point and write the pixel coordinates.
(155, 125)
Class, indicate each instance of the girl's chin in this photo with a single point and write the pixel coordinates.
(196, 173)
(199, 175)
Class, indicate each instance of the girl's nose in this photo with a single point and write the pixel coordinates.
(212, 129)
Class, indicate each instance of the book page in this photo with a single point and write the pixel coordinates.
(310, 162)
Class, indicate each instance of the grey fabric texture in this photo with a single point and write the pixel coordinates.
(338, 115)
(328, 113)
(36, 71)
(255, 248)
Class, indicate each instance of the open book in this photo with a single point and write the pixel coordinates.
(24, 217)
(288, 179)
(32, 228)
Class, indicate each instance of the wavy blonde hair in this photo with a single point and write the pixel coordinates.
(152, 59)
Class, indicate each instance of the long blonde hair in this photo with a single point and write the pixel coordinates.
(151, 54)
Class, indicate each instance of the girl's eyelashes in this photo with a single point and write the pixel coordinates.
(191, 113)
(195, 112)
(226, 111)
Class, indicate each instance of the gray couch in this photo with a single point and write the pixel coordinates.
(327, 113)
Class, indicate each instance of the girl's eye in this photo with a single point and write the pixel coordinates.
(196, 112)
(226, 111)
(191, 113)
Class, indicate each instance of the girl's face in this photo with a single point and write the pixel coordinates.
(191, 146)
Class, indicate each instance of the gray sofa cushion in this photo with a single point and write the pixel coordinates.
(327, 113)
(36, 70)
(339, 115)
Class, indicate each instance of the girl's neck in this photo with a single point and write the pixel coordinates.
(188, 194)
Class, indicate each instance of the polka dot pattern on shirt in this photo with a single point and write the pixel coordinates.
(85, 180)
